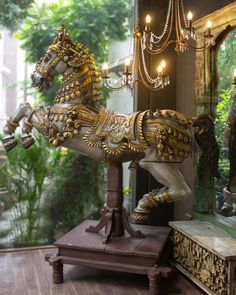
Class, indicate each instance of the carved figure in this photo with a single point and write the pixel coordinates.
(158, 141)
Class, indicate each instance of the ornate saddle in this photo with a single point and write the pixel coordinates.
(116, 132)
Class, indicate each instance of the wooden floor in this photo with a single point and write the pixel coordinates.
(26, 273)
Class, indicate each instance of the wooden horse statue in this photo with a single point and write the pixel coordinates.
(158, 141)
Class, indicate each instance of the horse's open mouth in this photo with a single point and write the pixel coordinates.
(39, 81)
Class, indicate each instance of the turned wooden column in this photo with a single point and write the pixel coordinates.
(115, 199)
(114, 216)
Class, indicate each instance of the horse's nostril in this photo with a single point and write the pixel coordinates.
(32, 76)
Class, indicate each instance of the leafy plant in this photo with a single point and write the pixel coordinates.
(23, 176)
(13, 12)
(127, 190)
(226, 60)
(226, 123)
(69, 200)
(224, 113)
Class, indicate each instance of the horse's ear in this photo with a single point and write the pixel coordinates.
(61, 36)
(62, 33)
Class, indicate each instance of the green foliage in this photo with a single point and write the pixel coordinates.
(223, 111)
(92, 22)
(224, 106)
(126, 190)
(227, 61)
(49, 192)
(12, 13)
(23, 176)
(71, 199)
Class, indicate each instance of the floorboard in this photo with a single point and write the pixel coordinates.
(26, 273)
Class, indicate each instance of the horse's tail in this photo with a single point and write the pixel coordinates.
(205, 137)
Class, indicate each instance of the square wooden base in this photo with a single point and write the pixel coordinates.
(127, 254)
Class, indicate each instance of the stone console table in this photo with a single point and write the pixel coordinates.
(206, 254)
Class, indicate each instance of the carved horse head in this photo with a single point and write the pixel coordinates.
(65, 57)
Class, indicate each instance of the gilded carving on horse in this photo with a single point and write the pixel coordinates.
(159, 141)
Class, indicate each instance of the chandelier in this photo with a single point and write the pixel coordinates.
(148, 43)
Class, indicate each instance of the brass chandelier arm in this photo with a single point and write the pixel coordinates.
(148, 86)
(160, 50)
(198, 49)
(115, 88)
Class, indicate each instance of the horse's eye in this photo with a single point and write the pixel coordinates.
(46, 58)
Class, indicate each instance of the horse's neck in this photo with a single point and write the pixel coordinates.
(75, 87)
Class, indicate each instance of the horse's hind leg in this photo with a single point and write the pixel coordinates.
(9, 140)
(175, 188)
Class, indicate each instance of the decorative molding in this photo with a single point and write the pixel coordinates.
(220, 19)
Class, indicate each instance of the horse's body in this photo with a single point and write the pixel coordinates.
(159, 141)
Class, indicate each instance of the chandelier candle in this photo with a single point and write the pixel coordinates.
(163, 65)
(190, 19)
(148, 21)
(105, 71)
(159, 71)
(127, 63)
(208, 32)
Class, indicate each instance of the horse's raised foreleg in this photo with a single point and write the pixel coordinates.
(27, 139)
(175, 188)
(9, 140)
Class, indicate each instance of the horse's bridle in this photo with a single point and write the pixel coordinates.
(45, 73)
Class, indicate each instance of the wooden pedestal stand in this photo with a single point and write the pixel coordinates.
(144, 250)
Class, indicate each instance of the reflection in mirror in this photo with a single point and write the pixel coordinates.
(225, 204)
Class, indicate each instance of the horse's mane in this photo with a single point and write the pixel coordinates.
(77, 55)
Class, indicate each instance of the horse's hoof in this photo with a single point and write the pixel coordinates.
(139, 218)
(27, 141)
(9, 143)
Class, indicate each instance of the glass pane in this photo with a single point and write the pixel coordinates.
(46, 191)
(225, 128)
